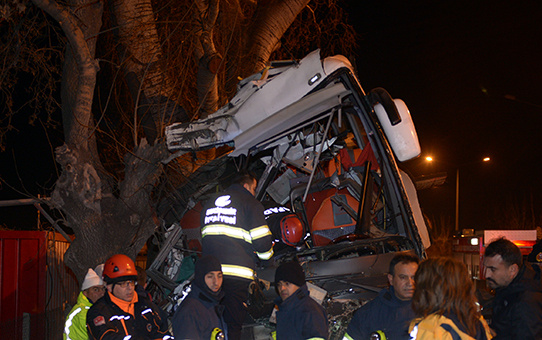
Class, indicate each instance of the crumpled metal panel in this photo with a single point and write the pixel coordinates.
(255, 101)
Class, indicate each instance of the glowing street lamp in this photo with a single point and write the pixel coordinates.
(430, 159)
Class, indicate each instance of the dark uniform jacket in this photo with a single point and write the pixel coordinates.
(107, 321)
(384, 313)
(198, 316)
(300, 317)
(517, 308)
(234, 231)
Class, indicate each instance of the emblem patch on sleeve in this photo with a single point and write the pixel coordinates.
(99, 320)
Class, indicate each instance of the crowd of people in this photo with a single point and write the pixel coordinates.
(430, 299)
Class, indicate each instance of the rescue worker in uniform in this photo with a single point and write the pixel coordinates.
(200, 317)
(75, 327)
(389, 314)
(235, 232)
(299, 316)
(286, 227)
(122, 313)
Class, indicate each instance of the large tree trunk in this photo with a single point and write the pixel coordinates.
(103, 223)
(209, 58)
(143, 64)
(268, 26)
(107, 221)
(79, 80)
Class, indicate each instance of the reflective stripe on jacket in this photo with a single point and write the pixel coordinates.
(106, 320)
(75, 326)
(234, 231)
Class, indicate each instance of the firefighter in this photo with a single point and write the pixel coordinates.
(200, 317)
(122, 313)
(235, 232)
(287, 228)
(388, 315)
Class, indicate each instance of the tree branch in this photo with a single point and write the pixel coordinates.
(88, 67)
(268, 26)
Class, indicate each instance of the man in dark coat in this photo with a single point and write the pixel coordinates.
(390, 312)
(199, 317)
(517, 306)
(235, 232)
(299, 316)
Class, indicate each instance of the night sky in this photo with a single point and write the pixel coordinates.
(453, 63)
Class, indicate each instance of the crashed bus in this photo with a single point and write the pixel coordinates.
(324, 150)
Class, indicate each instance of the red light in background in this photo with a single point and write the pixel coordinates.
(523, 244)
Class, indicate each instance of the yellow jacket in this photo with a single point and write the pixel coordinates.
(436, 326)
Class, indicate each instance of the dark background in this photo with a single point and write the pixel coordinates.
(454, 63)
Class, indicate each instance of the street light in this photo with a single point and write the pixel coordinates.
(485, 159)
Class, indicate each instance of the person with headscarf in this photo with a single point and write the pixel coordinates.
(200, 315)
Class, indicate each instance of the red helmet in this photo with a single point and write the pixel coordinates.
(291, 230)
(119, 268)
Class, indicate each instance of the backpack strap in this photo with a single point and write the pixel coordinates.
(452, 331)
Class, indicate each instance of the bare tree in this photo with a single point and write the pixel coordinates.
(515, 213)
(133, 66)
(441, 231)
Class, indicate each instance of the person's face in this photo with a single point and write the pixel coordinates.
(498, 274)
(251, 187)
(95, 292)
(403, 280)
(213, 280)
(124, 290)
(286, 289)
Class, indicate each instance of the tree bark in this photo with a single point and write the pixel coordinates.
(142, 55)
(269, 24)
(209, 59)
(103, 224)
(80, 70)
(82, 54)
(107, 221)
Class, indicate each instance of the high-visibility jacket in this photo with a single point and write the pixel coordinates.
(75, 326)
(235, 232)
(107, 321)
(439, 327)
